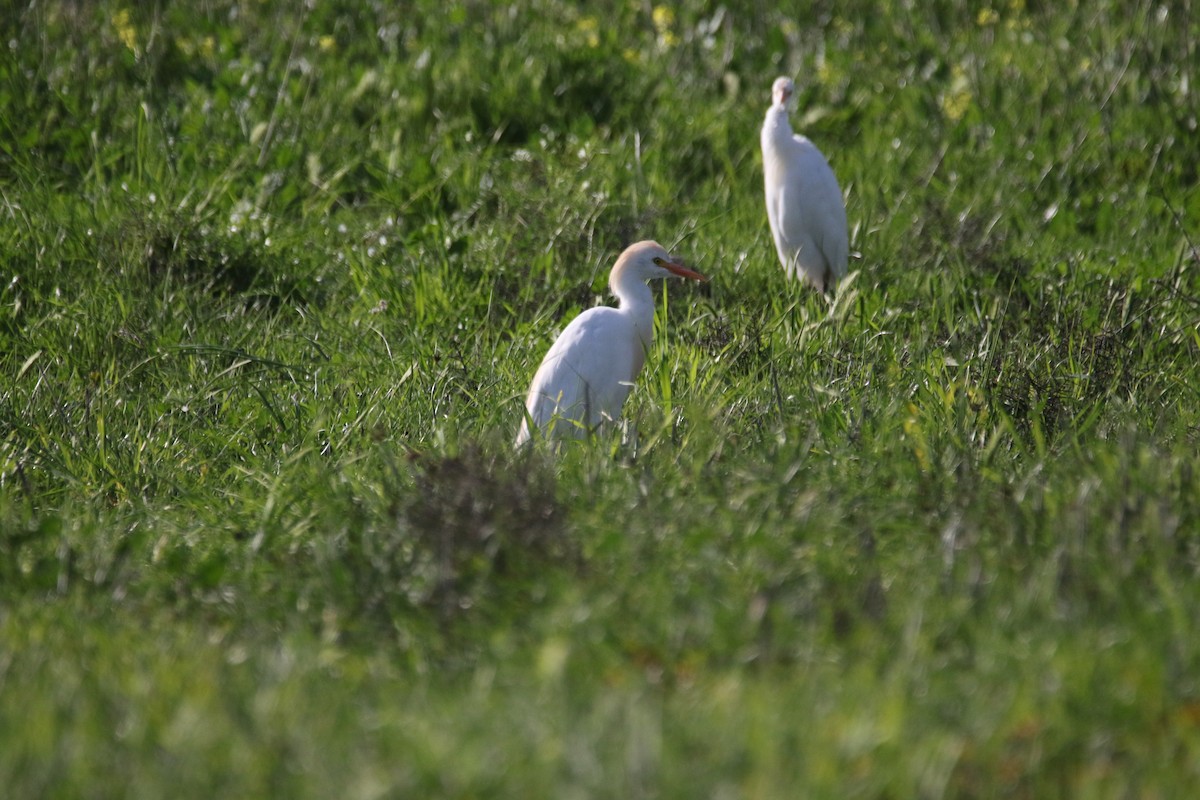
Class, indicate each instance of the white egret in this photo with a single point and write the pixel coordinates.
(804, 203)
(589, 371)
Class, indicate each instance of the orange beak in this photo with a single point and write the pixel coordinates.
(682, 271)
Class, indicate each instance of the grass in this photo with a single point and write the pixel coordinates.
(274, 283)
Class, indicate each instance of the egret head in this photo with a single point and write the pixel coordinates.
(649, 260)
(783, 93)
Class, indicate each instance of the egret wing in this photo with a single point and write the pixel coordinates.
(814, 190)
(586, 376)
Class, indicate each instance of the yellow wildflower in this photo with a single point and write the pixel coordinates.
(957, 98)
(326, 44)
(1016, 18)
(590, 28)
(126, 32)
(912, 430)
(204, 47)
(826, 73)
(664, 19)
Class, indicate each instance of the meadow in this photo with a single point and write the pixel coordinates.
(274, 279)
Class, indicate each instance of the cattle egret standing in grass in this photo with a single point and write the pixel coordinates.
(804, 203)
(584, 379)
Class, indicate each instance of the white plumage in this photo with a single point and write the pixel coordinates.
(584, 379)
(804, 203)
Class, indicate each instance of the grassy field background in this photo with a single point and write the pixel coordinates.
(276, 276)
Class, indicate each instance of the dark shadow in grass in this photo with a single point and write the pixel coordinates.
(220, 266)
(480, 521)
(742, 343)
(1058, 348)
(1074, 366)
(474, 532)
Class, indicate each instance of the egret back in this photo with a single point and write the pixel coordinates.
(804, 205)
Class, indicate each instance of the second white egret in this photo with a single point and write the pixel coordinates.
(804, 203)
